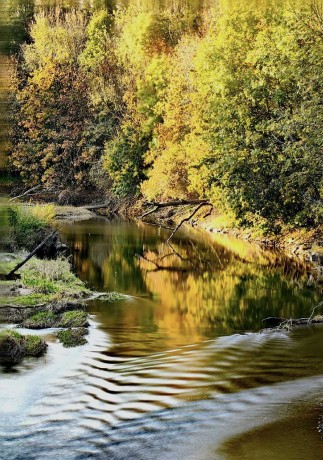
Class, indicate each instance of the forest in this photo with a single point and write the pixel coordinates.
(176, 102)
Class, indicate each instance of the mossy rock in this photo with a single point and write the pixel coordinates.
(14, 347)
(11, 350)
(110, 296)
(41, 320)
(74, 318)
(73, 337)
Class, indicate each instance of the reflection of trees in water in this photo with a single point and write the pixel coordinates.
(224, 290)
(106, 261)
(194, 283)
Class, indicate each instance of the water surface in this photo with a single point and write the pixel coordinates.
(178, 369)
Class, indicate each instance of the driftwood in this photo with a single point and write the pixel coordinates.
(11, 275)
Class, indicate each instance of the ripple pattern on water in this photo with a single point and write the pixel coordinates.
(103, 405)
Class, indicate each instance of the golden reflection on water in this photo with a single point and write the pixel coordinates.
(193, 290)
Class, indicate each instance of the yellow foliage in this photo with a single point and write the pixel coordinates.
(168, 179)
(133, 27)
(45, 212)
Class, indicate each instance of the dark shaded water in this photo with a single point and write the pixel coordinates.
(168, 373)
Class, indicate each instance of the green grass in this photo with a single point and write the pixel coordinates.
(26, 229)
(29, 300)
(53, 277)
(11, 333)
(49, 280)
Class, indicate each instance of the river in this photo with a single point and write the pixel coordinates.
(178, 370)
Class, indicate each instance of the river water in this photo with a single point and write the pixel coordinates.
(178, 369)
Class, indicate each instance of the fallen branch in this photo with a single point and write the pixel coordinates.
(155, 208)
(166, 204)
(27, 192)
(275, 323)
(11, 275)
(186, 219)
(158, 205)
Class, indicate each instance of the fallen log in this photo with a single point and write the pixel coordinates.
(174, 203)
(27, 192)
(11, 275)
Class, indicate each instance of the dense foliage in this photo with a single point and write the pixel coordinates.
(223, 103)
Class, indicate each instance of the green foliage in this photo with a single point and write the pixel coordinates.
(124, 160)
(258, 76)
(177, 102)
